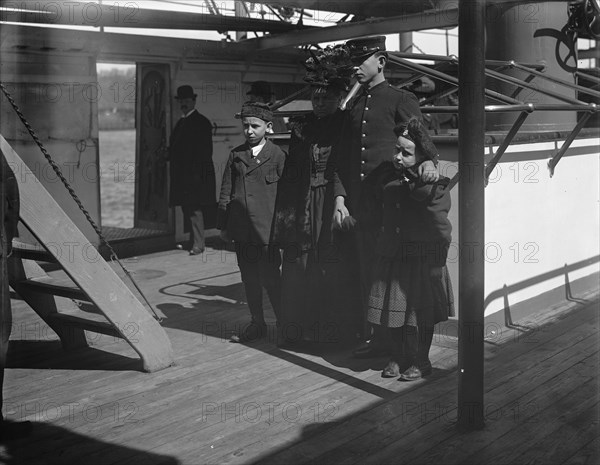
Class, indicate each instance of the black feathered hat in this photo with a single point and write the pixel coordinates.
(329, 66)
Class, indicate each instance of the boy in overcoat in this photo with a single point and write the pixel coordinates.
(246, 211)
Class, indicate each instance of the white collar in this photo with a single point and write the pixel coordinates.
(257, 148)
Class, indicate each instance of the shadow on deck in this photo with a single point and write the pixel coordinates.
(236, 404)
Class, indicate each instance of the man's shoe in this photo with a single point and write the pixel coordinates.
(196, 251)
(252, 333)
(369, 350)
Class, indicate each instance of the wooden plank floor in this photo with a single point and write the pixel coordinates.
(225, 403)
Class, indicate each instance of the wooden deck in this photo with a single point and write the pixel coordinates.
(225, 403)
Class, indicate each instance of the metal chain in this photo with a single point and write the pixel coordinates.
(58, 171)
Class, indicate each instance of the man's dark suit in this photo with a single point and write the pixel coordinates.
(193, 173)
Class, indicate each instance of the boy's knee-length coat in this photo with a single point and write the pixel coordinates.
(248, 193)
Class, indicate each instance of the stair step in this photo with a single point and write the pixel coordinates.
(35, 252)
(88, 321)
(62, 288)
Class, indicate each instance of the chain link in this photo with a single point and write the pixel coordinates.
(59, 173)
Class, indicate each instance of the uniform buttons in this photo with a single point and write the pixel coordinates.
(362, 162)
(397, 230)
(366, 108)
(369, 96)
(362, 175)
(363, 149)
(364, 135)
(364, 121)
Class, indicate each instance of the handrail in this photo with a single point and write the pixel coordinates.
(520, 83)
(589, 77)
(567, 143)
(588, 107)
(454, 60)
(506, 142)
(447, 78)
(556, 80)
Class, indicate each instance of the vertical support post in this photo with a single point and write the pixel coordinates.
(471, 25)
(406, 42)
(240, 12)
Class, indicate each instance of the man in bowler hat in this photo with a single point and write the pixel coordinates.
(192, 170)
(377, 110)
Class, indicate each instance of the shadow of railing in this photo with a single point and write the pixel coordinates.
(505, 291)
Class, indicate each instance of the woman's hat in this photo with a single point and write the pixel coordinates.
(185, 92)
(361, 49)
(329, 66)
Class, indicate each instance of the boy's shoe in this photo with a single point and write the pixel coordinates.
(391, 370)
(196, 251)
(395, 367)
(414, 372)
(251, 333)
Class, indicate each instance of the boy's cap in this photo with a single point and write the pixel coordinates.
(261, 88)
(361, 49)
(257, 110)
(185, 92)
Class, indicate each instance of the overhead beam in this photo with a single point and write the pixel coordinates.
(344, 31)
(133, 47)
(129, 15)
(364, 8)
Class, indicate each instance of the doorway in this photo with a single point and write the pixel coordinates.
(132, 122)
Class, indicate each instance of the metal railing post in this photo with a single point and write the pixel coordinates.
(471, 123)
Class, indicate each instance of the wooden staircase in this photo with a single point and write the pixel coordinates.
(106, 304)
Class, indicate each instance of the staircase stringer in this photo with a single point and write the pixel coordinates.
(42, 215)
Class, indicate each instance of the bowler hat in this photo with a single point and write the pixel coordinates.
(185, 92)
(262, 88)
(361, 49)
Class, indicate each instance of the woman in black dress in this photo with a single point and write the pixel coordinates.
(312, 307)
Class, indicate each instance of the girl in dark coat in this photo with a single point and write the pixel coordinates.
(411, 289)
(305, 208)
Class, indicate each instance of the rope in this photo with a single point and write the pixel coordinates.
(59, 173)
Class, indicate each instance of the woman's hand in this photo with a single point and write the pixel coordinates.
(340, 212)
